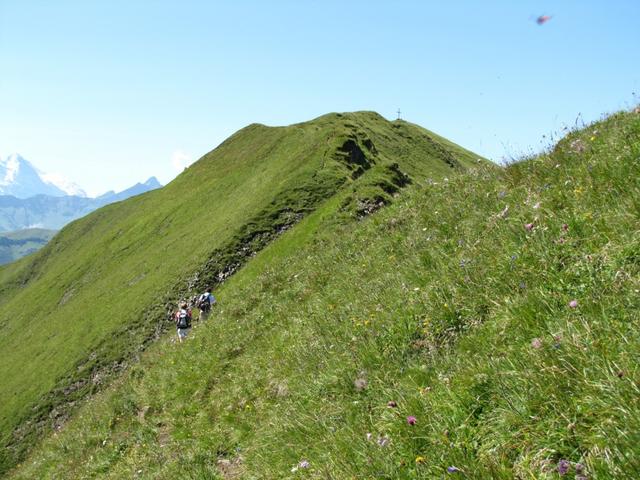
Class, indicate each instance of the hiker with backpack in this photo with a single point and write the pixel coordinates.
(205, 302)
(183, 321)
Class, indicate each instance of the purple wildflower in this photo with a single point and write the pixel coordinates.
(453, 469)
(411, 420)
(565, 227)
(558, 341)
(579, 468)
(536, 343)
(573, 303)
(528, 226)
(563, 467)
(304, 464)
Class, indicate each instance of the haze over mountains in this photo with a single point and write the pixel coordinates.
(14, 245)
(30, 198)
(34, 204)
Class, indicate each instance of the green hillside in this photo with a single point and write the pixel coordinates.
(14, 245)
(483, 326)
(78, 311)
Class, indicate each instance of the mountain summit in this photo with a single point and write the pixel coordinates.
(18, 177)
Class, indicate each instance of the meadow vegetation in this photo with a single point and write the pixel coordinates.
(483, 325)
(81, 310)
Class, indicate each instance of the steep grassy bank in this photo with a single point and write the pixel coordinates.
(485, 326)
(75, 313)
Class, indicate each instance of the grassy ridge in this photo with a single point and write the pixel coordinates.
(480, 327)
(78, 310)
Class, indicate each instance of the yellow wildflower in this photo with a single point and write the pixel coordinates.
(424, 390)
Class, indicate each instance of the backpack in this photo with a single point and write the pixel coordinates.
(204, 303)
(184, 319)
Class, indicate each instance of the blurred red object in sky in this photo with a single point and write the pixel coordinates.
(542, 19)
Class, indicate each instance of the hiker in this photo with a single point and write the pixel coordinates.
(205, 302)
(183, 321)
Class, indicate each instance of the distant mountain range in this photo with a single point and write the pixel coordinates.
(30, 198)
(111, 196)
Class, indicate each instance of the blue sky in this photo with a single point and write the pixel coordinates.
(109, 93)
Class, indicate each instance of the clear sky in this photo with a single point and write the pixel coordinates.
(109, 93)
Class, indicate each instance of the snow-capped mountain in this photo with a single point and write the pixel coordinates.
(18, 177)
(64, 184)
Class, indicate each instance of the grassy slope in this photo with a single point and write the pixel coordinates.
(444, 303)
(77, 310)
(15, 245)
